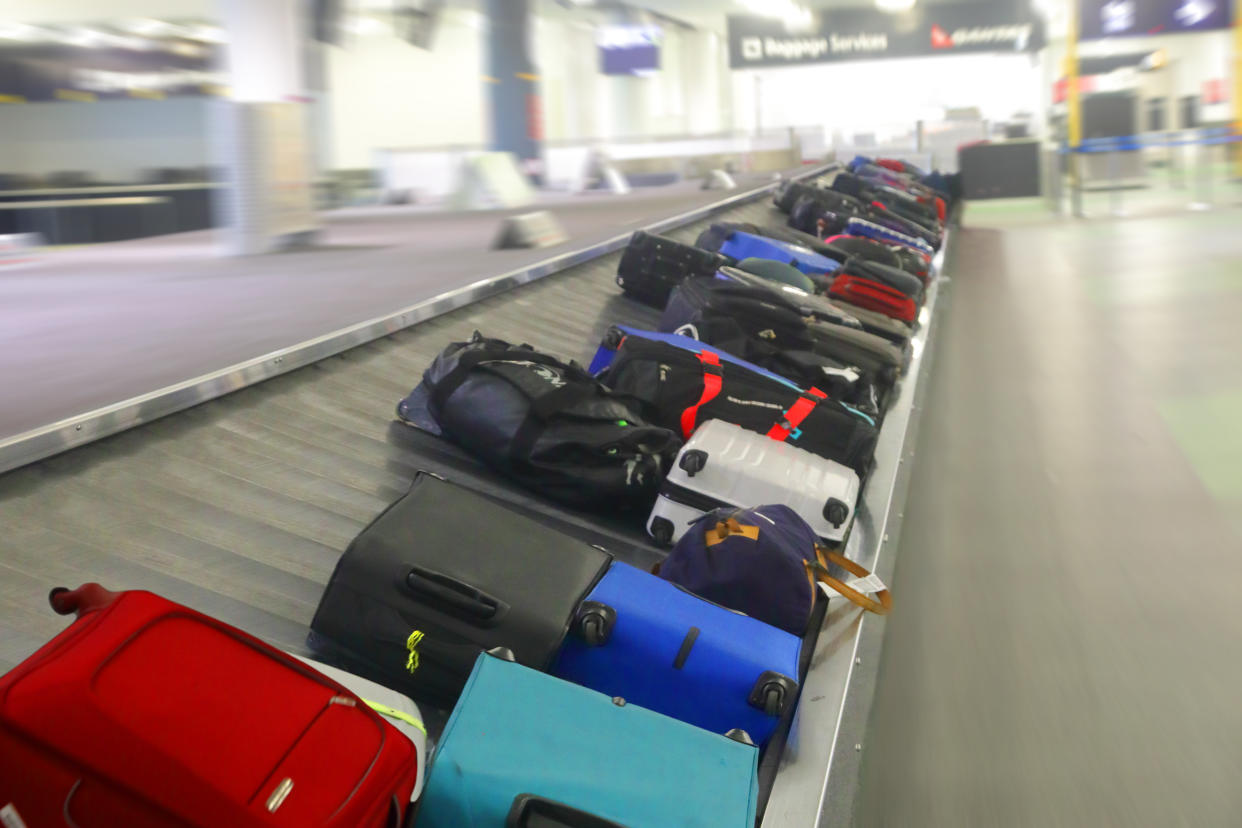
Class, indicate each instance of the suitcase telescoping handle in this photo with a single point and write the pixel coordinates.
(881, 604)
(84, 599)
(454, 594)
(529, 810)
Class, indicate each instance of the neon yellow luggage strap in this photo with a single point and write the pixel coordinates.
(393, 713)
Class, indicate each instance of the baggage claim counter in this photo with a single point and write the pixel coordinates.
(236, 493)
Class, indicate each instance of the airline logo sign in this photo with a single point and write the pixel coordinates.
(861, 33)
(1014, 37)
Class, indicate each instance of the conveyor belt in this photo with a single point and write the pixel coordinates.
(241, 506)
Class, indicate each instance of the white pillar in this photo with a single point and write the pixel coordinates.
(261, 137)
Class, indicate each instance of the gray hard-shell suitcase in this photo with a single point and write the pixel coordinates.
(726, 465)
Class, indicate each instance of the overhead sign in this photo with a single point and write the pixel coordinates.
(1137, 18)
(866, 33)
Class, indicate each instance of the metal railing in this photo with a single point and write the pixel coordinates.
(1196, 167)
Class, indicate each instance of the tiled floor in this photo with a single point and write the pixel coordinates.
(1067, 643)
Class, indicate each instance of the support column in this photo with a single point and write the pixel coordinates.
(1073, 105)
(262, 140)
(515, 104)
(1237, 87)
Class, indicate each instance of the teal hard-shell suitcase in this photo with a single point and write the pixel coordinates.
(522, 744)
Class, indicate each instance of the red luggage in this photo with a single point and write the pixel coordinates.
(865, 293)
(146, 713)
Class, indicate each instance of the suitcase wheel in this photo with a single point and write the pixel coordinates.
(692, 462)
(662, 531)
(739, 735)
(836, 512)
(595, 622)
(773, 693)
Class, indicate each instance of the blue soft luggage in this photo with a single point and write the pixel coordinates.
(521, 745)
(612, 341)
(661, 647)
(741, 245)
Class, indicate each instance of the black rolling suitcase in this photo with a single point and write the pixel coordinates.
(652, 266)
(444, 574)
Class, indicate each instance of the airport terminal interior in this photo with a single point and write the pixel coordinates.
(610, 413)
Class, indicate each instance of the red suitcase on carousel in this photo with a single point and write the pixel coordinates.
(865, 293)
(146, 713)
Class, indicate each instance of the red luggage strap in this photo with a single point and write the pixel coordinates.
(713, 381)
(797, 412)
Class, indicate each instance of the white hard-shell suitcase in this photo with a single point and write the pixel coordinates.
(725, 465)
(400, 711)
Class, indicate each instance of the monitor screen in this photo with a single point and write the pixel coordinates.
(1132, 18)
(628, 50)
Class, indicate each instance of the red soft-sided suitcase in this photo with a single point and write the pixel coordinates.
(872, 295)
(146, 713)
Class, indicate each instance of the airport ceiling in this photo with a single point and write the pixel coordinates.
(712, 13)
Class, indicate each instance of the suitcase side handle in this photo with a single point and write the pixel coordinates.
(86, 598)
(530, 809)
(454, 594)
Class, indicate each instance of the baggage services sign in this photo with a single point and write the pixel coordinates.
(863, 33)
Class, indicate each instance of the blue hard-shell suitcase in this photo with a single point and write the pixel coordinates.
(658, 646)
(741, 245)
(522, 745)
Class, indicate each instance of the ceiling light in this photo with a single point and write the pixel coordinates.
(787, 10)
(367, 26)
(205, 33)
(149, 27)
(894, 5)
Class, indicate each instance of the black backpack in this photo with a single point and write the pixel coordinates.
(681, 389)
(754, 323)
(548, 424)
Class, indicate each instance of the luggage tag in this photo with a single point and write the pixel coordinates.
(858, 590)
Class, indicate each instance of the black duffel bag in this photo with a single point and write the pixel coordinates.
(752, 323)
(681, 389)
(548, 424)
(829, 206)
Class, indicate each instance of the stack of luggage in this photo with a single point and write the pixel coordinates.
(582, 685)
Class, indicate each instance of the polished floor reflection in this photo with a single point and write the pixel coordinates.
(1067, 647)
